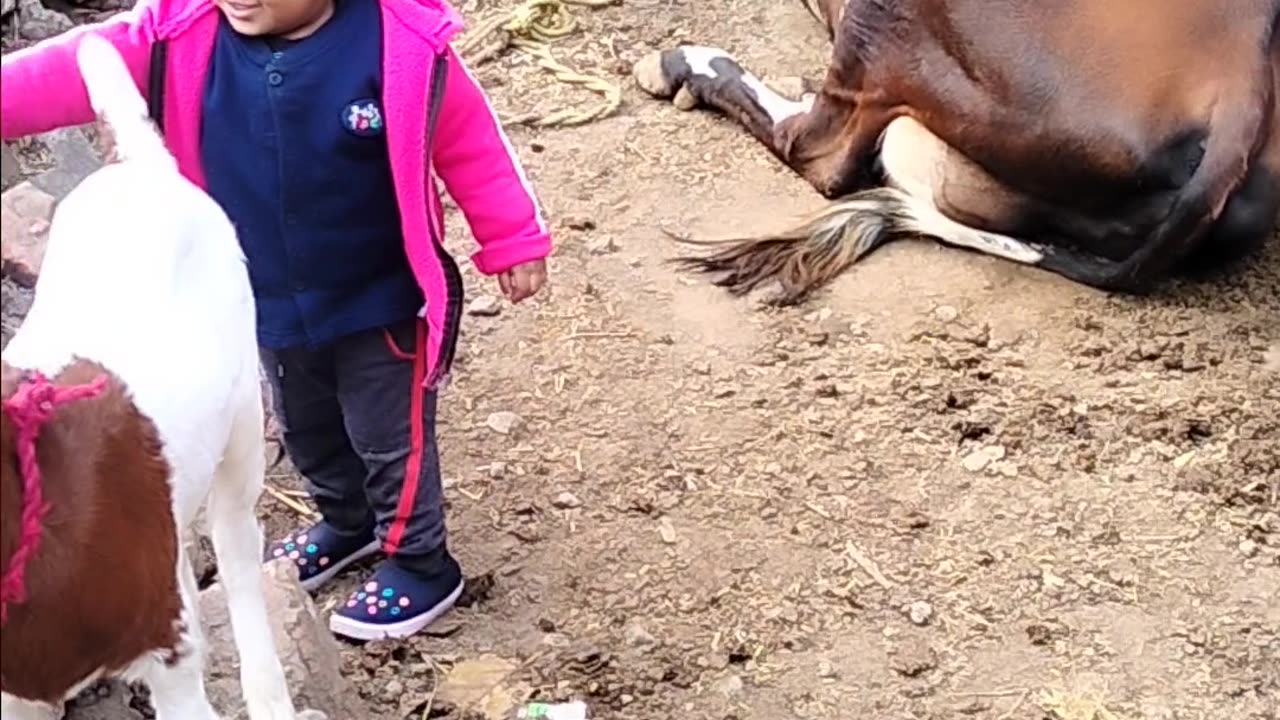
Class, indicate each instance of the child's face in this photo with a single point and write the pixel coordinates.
(292, 19)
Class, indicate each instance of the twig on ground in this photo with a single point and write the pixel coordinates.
(294, 505)
(1016, 706)
(597, 335)
(867, 564)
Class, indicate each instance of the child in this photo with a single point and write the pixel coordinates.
(316, 125)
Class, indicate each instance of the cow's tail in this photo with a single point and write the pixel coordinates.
(808, 256)
(119, 104)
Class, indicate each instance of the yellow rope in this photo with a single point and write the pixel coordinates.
(531, 28)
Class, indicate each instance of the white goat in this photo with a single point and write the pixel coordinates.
(144, 277)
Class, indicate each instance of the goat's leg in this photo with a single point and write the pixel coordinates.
(12, 708)
(176, 680)
(824, 137)
(237, 543)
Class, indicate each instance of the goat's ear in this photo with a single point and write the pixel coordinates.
(106, 140)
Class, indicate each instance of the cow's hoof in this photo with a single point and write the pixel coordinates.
(652, 78)
(685, 99)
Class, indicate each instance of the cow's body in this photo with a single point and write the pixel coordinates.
(1110, 142)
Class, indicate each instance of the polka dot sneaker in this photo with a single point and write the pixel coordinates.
(321, 553)
(395, 603)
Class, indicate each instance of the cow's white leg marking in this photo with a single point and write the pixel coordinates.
(778, 108)
(912, 158)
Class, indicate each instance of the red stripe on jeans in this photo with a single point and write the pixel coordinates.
(413, 464)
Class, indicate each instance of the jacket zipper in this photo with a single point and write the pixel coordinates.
(453, 276)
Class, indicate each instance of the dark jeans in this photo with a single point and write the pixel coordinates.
(359, 426)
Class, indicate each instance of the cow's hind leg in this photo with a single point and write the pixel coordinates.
(815, 136)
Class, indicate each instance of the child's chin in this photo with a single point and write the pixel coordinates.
(252, 28)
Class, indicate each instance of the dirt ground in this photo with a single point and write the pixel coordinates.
(949, 487)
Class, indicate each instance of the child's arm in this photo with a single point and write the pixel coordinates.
(42, 85)
(483, 175)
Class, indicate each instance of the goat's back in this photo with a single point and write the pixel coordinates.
(143, 274)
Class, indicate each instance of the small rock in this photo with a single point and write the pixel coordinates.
(920, 612)
(497, 469)
(504, 422)
(979, 459)
(38, 22)
(637, 636)
(1005, 468)
(1248, 548)
(818, 316)
(484, 306)
(729, 685)
(566, 501)
(24, 231)
(946, 313)
(667, 531)
(827, 671)
(602, 246)
(913, 658)
(1271, 358)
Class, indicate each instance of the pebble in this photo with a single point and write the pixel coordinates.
(827, 671)
(637, 636)
(729, 686)
(946, 313)
(484, 306)
(602, 246)
(497, 469)
(667, 531)
(979, 459)
(920, 612)
(1248, 548)
(566, 501)
(504, 422)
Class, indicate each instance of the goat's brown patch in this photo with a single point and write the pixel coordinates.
(102, 588)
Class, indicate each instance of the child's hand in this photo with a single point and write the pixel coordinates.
(524, 280)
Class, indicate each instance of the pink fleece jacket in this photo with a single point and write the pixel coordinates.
(42, 91)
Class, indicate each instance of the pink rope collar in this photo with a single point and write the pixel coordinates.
(30, 409)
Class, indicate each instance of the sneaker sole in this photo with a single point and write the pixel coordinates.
(314, 582)
(357, 630)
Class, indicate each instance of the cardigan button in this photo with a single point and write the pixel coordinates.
(275, 78)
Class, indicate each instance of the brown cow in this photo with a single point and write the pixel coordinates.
(1111, 142)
